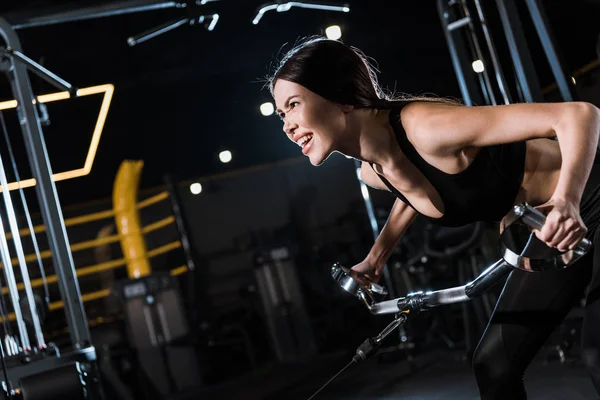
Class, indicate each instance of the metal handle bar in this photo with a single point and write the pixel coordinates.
(420, 301)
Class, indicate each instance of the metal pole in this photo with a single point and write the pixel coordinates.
(458, 53)
(13, 290)
(47, 196)
(18, 246)
(181, 223)
(476, 49)
(561, 73)
(43, 73)
(526, 76)
(100, 11)
(493, 55)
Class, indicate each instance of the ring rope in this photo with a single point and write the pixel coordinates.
(94, 216)
(97, 242)
(106, 266)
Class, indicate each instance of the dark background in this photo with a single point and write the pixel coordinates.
(183, 97)
(186, 95)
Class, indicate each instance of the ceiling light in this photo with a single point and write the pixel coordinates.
(478, 66)
(196, 188)
(267, 109)
(225, 156)
(333, 32)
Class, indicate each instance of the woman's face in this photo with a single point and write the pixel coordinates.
(309, 120)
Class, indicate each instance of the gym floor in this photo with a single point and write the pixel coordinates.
(442, 375)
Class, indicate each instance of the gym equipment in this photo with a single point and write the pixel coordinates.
(287, 320)
(519, 249)
(33, 368)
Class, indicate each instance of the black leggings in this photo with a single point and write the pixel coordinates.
(530, 307)
(533, 304)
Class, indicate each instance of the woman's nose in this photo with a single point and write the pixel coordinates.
(289, 127)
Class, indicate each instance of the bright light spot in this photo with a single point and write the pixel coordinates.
(196, 188)
(573, 79)
(478, 66)
(225, 156)
(333, 32)
(213, 22)
(267, 109)
(346, 9)
(365, 192)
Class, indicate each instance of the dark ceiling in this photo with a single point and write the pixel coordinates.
(182, 97)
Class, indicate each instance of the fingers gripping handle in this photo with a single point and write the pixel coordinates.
(535, 219)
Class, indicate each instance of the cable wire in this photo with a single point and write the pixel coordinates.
(7, 393)
(25, 209)
(333, 378)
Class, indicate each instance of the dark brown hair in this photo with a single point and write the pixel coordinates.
(338, 73)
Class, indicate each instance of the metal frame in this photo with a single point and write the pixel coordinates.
(523, 64)
(557, 63)
(92, 12)
(463, 49)
(46, 191)
(458, 52)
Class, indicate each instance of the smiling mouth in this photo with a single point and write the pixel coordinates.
(306, 143)
(305, 140)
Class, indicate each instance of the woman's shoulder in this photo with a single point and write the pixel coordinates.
(420, 121)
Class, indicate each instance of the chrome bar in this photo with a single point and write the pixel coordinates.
(282, 7)
(445, 296)
(43, 72)
(488, 278)
(18, 246)
(477, 49)
(385, 307)
(459, 24)
(13, 291)
(100, 11)
(493, 55)
(421, 301)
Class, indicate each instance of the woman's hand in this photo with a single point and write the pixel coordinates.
(564, 227)
(366, 269)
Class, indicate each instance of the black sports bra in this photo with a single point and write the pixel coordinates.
(484, 191)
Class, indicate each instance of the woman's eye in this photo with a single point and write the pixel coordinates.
(293, 104)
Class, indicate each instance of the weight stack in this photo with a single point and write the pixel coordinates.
(290, 330)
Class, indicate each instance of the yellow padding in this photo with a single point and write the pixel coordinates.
(127, 218)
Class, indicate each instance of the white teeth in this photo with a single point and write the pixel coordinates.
(303, 140)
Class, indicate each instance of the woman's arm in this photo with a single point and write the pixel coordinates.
(400, 218)
(448, 129)
(577, 132)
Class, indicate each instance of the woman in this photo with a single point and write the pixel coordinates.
(456, 165)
